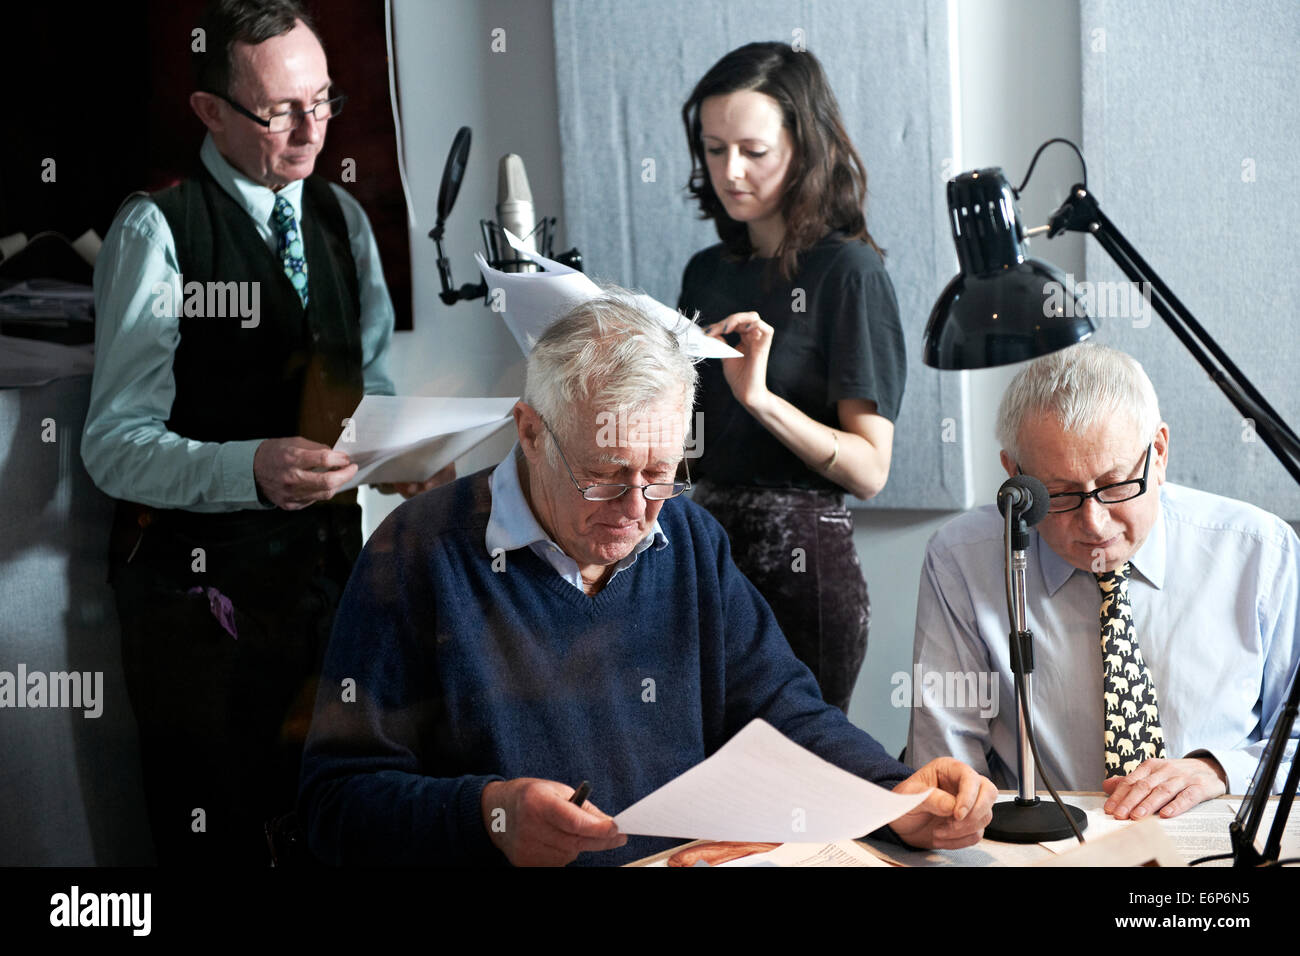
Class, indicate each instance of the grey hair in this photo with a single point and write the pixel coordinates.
(609, 353)
(1078, 386)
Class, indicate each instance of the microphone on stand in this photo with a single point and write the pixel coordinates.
(514, 211)
(1027, 498)
(1023, 501)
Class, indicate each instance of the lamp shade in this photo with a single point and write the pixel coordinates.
(1003, 306)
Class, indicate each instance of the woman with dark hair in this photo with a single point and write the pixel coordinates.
(807, 414)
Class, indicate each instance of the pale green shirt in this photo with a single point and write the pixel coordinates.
(127, 448)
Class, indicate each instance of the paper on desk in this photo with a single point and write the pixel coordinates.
(839, 853)
(1100, 823)
(531, 301)
(409, 438)
(762, 787)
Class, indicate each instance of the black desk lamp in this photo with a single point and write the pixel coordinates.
(1004, 307)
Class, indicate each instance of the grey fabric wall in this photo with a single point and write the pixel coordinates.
(1190, 131)
(69, 785)
(623, 71)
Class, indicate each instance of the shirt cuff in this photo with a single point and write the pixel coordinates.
(235, 474)
(1237, 766)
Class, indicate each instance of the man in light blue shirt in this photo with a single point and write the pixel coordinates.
(1213, 598)
(127, 447)
(240, 317)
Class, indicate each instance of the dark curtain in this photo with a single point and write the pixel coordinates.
(103, 90)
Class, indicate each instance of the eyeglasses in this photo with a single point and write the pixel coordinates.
(603, 491)
(1107, 494)
(290, 119)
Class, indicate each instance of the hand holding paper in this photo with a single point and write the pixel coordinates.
(958, 805)
(402, 439)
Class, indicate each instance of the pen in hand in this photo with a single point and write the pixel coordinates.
(580, 795)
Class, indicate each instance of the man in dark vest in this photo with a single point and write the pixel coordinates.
(241, 316)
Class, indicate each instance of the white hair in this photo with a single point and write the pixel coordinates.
(1078, 386)
(608, 353)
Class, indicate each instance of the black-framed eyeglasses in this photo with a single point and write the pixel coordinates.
(608, 491)
(289, 119)
(1107, 494)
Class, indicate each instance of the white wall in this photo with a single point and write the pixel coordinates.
(1018, 63)
(449, 77)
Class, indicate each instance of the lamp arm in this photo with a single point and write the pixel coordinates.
(1081, 213)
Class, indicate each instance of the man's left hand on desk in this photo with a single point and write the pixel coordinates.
(955, 814)
(1168, 786)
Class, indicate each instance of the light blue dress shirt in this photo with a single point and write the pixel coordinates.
(127, 448)
(512, 524)
(1215, 601)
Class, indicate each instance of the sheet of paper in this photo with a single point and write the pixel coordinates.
(840, 853)
(1141, 843)
(1203, 831)
(408, 438)
(531, 301)
(1100, 823)
(762, 787)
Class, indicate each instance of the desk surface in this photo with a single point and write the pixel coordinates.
(1201, 831)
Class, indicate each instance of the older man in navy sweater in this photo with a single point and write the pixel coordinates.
(565, 617)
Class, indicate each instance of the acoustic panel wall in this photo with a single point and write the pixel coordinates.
(1191, 131)
(623, 72)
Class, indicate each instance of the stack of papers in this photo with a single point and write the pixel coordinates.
(410, 438)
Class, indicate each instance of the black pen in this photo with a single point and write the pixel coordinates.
(580, 795)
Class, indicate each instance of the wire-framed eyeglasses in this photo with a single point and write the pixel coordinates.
(608, 491)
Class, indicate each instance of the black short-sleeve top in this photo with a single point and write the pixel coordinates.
(836, 335)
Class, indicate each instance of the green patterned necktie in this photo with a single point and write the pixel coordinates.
(288, 242)
(1132, 731)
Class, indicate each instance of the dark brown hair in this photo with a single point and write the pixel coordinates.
(227, 22)
(826, 184)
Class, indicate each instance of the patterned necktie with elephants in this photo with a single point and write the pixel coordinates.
(1132, 731)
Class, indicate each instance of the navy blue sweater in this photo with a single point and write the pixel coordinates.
(444, 674)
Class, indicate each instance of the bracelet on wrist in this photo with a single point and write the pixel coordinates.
(826, 466)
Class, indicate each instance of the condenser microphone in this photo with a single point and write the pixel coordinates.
(515, 210)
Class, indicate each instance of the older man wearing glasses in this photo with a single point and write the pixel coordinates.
(1164, 618)
(240, 317)
(565, 617)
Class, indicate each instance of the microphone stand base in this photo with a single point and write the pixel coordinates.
(1032, 822)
